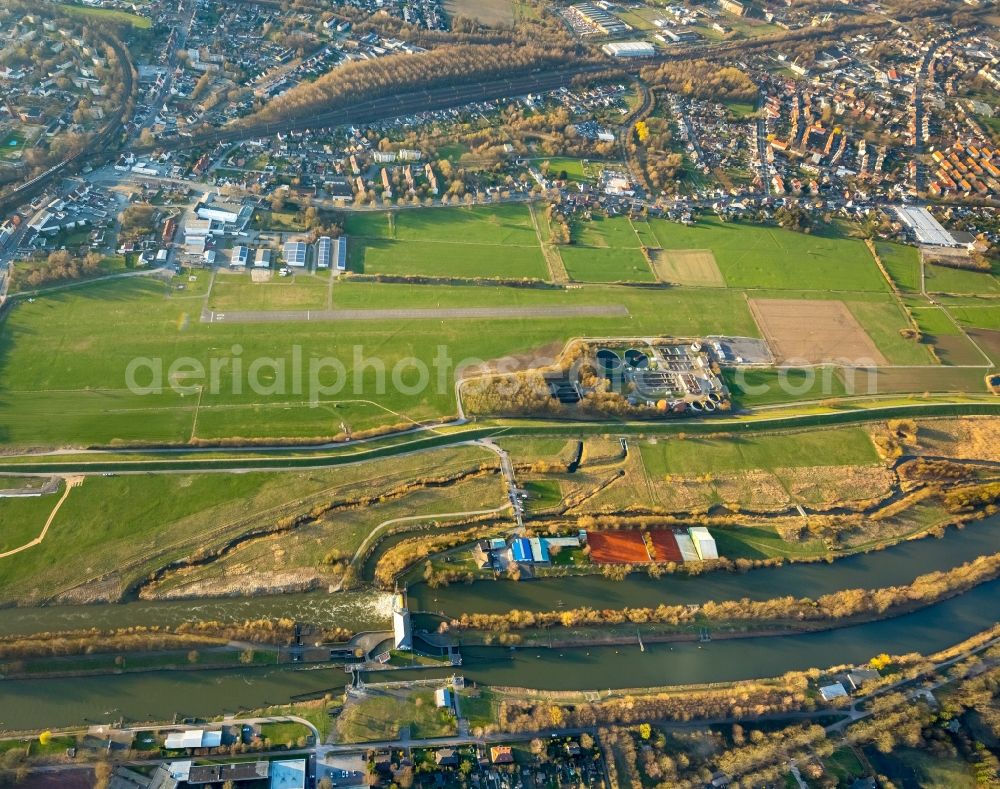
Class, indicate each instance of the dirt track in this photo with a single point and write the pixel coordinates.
(455, 313)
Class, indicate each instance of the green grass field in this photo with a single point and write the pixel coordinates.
(159, 518)
(497, 242)
(942, 279)
(692, 456)
(984, 316)
(380, 717)
(752, 256)
(298, 292)
(22, 519)
(108, 15)
(63, 358)
(590, 264)
(903, 264)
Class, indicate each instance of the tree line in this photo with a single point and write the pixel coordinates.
(848, 603)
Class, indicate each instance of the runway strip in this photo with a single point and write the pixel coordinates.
(457, 313)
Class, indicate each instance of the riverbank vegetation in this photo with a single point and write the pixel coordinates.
(785, 613)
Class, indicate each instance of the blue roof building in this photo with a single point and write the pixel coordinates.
(520, 549)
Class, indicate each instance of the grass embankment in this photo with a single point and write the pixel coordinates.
(382, 715)
(198, 514)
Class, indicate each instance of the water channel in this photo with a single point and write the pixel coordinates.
(39, 703)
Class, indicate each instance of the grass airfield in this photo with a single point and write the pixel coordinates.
(63, 358)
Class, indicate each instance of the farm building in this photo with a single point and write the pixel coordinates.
(263, 259)
(704, 543)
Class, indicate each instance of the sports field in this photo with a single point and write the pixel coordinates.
(617, 547)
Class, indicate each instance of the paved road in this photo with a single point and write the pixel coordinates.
(444, 313)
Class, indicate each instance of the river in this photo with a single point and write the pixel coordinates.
(40, 703)
(898, 564)
(357, 611)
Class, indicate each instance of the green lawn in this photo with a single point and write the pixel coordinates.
(757, 387)
(752, 256)
(747, 542)
(284, 732)
(574, 168)
(693, 455)
(490, 242)
(380, 717)
(22, 519)
(447, 259)
(590, 264)
(298, 292)
(108, 15)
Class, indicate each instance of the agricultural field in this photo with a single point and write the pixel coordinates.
(903, 264)
(944, 279)
(593, 264)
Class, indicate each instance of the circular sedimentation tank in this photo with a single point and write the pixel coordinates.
(637, 359)
(608, 360)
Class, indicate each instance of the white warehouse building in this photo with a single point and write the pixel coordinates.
(630, 49)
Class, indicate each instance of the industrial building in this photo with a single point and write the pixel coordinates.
(262, 259)
(630, 49)
(596, 20)
(240, 257)
(925, 228)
